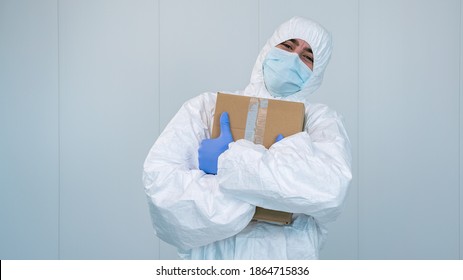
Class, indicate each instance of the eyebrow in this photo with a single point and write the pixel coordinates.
(294, 41)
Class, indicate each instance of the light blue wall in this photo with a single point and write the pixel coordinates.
(409, 129)
(86, 86)
(29, 135)
(109, 90)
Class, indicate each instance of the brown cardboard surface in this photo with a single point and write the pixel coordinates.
(278, 117)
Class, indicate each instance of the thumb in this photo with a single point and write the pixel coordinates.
(225, 126)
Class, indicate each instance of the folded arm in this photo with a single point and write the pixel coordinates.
(307, 173)
(187, 207)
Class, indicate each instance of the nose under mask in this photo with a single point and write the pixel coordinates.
(284, 73)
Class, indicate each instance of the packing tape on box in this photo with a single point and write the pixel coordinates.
(255, 121)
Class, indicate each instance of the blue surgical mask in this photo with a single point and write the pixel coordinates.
(284, 73)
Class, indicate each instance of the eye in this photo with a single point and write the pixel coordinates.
(308, 58)
(287, 46)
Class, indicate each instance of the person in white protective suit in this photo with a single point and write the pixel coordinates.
(208, 216)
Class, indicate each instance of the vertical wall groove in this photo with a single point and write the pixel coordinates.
(59, 134)
(159, 93)
(258, 26)
(459, 121)
(358, 129)
(159, 66)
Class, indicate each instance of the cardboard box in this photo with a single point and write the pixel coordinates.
(260, 120)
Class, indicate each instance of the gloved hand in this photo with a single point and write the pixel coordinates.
(279, 137)
(210, 149)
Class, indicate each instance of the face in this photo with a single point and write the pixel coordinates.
(299, 47)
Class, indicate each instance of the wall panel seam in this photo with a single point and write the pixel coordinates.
(159, 94)
(258, 26)
(59, 128)
(459, 135)
(358, 129)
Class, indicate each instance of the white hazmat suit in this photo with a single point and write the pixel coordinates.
(209, 216)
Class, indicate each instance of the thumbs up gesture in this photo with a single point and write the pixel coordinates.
(210, 149)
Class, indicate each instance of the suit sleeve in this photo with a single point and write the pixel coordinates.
(187, 207)
(307, 173)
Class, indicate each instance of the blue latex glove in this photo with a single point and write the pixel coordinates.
(279, 137)
(210, 149)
